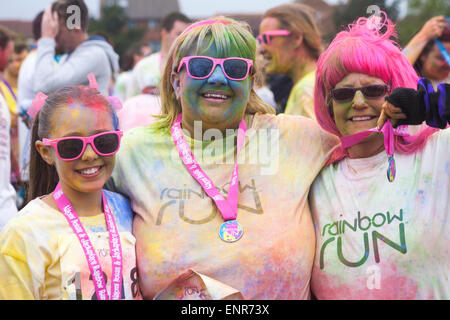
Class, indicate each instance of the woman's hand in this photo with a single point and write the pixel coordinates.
(433, 28)
(50, 24)
(389, 111)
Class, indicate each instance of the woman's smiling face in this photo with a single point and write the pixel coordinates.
(360, 113)
(91, 171)
(216, 101)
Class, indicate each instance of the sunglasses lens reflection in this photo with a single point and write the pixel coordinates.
(107, 143)
(200, 67)
(236, 69)
(70, 148)
(371, 91)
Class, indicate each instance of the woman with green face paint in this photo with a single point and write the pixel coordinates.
(381, 209)
(219, 184)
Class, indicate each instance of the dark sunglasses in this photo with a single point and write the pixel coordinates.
(372, 91)
(201, 67)
(72, 148)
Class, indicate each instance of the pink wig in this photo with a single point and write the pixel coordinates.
(364, 49)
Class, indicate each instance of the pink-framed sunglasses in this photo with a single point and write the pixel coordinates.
(201, 67)
(71, 148)
(266, 37)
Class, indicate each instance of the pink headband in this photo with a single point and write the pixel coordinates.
(40, 98)
(203, 22)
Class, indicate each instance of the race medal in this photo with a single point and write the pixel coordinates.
(230, 231)
(391, 169)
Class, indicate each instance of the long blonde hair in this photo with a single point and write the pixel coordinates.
(227, 35)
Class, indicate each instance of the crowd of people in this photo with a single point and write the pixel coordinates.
(270, 167)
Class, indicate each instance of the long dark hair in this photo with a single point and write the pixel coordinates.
(43, 177)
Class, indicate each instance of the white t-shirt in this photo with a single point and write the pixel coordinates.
(381, 240)
(146, 73)
(8, 207)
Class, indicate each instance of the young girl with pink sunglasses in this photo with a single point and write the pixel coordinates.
(73, 240)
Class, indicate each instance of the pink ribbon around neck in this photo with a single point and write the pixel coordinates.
(69, 213)
(228, 207)
(40, 98)
(388, 132)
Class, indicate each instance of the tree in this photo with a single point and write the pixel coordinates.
(419, 12)
(114, 25)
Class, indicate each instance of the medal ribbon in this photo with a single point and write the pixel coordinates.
(67, 210)
(228, 207)
(388, 132)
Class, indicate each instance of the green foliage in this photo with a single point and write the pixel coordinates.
(113, 24)
(419, 12)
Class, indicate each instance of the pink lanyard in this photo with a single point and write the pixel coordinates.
(231, 230)
(67, 210)
(388, 133)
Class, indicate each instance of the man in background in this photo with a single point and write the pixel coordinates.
(128, 61)
(147, 73)
(62, 31)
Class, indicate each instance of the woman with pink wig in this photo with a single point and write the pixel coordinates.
(381, 208)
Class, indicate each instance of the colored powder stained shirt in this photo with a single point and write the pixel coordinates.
(42, 258)
(381, 240)
(301, 98)
(177, 225)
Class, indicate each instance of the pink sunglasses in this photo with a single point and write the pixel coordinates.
(201, 67)
(71, 148)
(266, 37)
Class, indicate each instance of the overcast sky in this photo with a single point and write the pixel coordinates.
(27, 9)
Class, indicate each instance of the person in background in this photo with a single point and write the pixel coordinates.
(147, 73)
(281, 87)
(261, 86)
(128, 61)
(84, 55)
(291, 43)
(140, 110)
(423, 52)
(8, 86)
(25, 96)
(8, 207)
